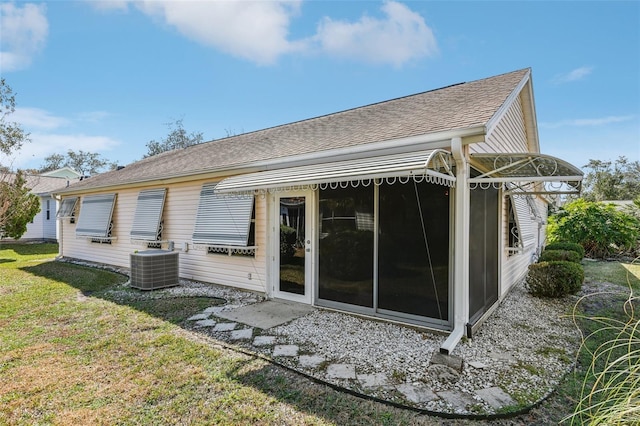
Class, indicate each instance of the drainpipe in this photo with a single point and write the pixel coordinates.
(461, 248)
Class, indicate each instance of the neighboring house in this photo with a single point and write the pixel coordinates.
(44, 226)
(424, 209)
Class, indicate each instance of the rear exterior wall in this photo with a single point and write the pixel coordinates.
(179, 215)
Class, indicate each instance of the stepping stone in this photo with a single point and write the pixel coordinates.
(457, 399)
(285, 350)
(502, 356)
(213, 309)
(264, 340)
(310, 361)
(415, 393)
(495, 397)
(477, 365)
(205, 323)
(243, 334)
(450, 361)
(225, 326)
(377, 380)
(341, 371)
(197, 317)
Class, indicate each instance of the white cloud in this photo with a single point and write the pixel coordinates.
(254, 30)
(259, 30)
(37, 118)
(574, 75)
(401, 36)
(45, 144)
(23, 34)
(582, 122)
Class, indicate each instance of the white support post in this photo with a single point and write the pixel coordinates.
(461, 248)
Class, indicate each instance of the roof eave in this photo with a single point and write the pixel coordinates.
(431, 140)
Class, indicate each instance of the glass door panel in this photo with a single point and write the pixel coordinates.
(346, 231)
(413, 249)
(293, 245)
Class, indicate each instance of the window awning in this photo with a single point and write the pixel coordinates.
(95, 216)
(148, 215)
(222, 221)
(432, 165)
(67, 208)
(531, 173)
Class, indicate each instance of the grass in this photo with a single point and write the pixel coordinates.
(71, 354)
(610, 352)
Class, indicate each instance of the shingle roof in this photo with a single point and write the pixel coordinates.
(450, 108)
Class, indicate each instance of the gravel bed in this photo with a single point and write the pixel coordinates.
(524, 348)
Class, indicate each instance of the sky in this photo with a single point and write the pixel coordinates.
(109, 76)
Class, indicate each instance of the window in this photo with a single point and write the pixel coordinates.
(521, 233)
(68, 209)
(147, 220)
(224, 223)
(95, 217)
(48, 209)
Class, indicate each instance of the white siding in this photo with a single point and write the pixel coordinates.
(179, 216)
(509, 135)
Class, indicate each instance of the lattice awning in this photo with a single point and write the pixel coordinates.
(530, 173)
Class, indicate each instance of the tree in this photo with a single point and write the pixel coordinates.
(177, 138)
(86, 163)
(18, 206)
(600, 228)
(12, 137)
(612, 181)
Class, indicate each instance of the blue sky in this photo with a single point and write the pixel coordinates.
(107, 76)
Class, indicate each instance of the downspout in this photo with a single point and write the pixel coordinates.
(59, 224)
(461, 248)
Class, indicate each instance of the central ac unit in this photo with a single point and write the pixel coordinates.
(153, 269)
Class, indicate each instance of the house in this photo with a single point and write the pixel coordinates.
(424, 209)
(43, 227)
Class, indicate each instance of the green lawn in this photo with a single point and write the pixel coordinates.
(69, 355)
(72, 354)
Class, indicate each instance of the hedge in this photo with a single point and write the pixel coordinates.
(567, 246)
(556, 278)
(568, 255)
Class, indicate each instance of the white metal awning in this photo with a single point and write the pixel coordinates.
(530, 173)
(433, 165)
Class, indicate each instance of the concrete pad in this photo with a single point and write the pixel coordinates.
(310, 361)
(225, 326)
(197, 317)
(285, 350)
(495, 397)
(341, 371)
(371, 381)
(457, 399)
(243, 334)
(205, 323)
(416, 393)
(264, 340)
(268, 314)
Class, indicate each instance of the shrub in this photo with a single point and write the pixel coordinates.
(566, 246)
(568, 255)
(554, 278)
(599, 228)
